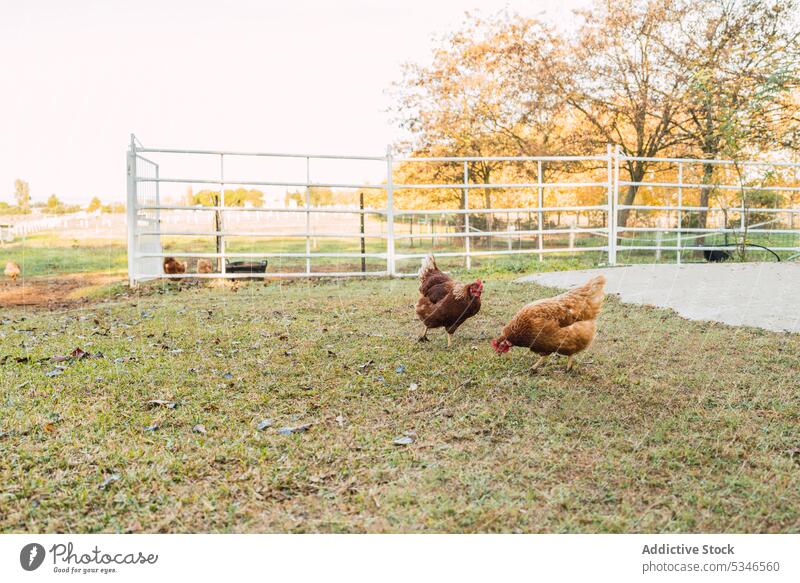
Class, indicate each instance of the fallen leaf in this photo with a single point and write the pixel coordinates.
(264, 424)
(109, 480)
(340, 420)
(50, 427)
(413, 387)
(55, 372)
(153, 427)
(153, 403)
(199, 429)
(77, 354)
(297, 429)
(400, 369)
(405, 440)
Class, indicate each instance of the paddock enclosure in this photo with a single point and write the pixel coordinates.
(306, 215)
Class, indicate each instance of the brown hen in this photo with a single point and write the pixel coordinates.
(564, 324)
(12, 270)
(444, 302)
(172, 266)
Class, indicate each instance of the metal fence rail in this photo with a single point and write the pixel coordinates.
(672, 232)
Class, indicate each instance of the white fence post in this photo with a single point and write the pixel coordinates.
(743, 216)
(223, 267)
(131, 212)
(680, 211)
(467, 238)
(540, 204)
(659, 241)
(390, 267)
(308, 215)
(611, 215)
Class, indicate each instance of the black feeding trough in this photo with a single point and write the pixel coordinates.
(245, 266)
(716, 255)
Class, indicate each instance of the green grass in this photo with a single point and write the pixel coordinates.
(666, 425)
(49, 254)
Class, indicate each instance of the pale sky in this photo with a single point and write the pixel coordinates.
(79, 76)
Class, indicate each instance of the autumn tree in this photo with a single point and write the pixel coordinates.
(238, 197)
(458, 106)
(741, 58)
(618, 77)
(655, 77)
(319, 196)
(94, 205)
(22, 194)
(512, 86)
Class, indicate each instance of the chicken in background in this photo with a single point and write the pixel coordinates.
(444, 302)
(12, 270)
(564, 324)
(172, 266)
(204, 266)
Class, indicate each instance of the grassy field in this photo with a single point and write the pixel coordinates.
(52, 254)
(48, 254)
(665, 426)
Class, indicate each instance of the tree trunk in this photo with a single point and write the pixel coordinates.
(487, 202)
(705, 194)
(465, 218)
(705, 197)
(636, 172)
(363, 240)
(217, 229)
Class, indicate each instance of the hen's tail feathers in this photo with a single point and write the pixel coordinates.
(428, 265)
(589, 298)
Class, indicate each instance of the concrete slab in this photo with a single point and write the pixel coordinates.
(764, 295)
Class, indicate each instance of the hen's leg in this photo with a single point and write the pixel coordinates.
(570, 362)
(541, 362)
(424, 337)
(449, 339)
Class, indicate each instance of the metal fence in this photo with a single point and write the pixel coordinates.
(665, 225)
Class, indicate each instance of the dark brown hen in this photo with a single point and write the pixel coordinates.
(444, 302)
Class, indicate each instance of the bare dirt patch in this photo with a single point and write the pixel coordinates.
(52, 292)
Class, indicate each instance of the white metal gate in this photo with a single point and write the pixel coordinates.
(146, 223)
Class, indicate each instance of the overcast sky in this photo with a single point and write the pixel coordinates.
(79, 76)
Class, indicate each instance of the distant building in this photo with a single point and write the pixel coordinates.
(6, 233)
